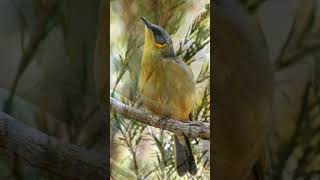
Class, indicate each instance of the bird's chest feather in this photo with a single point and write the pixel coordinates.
(165, 90)
(154, 82)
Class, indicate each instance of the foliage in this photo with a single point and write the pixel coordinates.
(133, 142)
(50, 86)
(300, 152)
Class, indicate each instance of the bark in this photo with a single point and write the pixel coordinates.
(190, 129)
(45, 152)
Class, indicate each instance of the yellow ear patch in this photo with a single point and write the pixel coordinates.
(160, 45)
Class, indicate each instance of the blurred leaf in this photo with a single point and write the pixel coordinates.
(302, 25)
(204, 73)
(197, 38)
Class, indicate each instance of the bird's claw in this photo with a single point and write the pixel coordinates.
(163, 122)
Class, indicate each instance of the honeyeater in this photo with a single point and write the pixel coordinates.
(167, 88)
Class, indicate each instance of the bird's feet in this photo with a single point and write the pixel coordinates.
(163, 122)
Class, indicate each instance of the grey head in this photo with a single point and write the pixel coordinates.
(161, 37)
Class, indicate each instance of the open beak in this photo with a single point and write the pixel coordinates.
(146, 22)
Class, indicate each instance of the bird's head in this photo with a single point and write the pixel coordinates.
(157, 40)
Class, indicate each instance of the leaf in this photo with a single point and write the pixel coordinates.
(301, 25)
(203, 75)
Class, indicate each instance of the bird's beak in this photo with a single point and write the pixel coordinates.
(146, 22)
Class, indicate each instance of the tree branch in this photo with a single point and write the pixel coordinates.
(39, 150)
(190, 129)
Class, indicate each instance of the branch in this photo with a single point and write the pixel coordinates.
(190, 129)
(39, 150)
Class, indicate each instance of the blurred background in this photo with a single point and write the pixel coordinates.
(291, 30)
(49, 81)
(139, 151)
(47, 75)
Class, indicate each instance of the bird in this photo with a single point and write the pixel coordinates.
(167, 88)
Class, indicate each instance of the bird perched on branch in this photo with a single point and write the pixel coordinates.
(167, 88)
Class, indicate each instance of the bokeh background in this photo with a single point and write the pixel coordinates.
(47, 52)
(61, 88)
(291, 30)
(139, 151)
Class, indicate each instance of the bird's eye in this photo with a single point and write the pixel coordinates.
(160, 41)
(159, 37)
(156, 32)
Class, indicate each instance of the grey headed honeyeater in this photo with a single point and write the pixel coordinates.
(167, 88)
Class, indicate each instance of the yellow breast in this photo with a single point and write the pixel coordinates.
(167, 87)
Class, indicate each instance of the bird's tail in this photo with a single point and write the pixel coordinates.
(184, 158)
